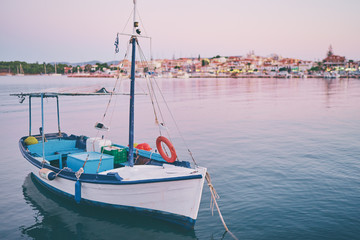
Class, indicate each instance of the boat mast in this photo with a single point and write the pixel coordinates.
(132, 92)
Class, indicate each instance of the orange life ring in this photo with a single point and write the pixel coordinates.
(161, 150)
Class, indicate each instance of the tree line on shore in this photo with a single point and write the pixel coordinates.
(31, 68)
(44, 68)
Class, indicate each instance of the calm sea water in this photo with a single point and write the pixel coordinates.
(284, 156)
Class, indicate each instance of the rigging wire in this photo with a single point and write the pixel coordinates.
(160, 125)
(153, 98)
(152, 90)
(152, 101)
(142, 24)
(167, 106)
(176, 125)
(131, 14)
(107, 107)
(115, 87)
(81, 170)
(214, 194)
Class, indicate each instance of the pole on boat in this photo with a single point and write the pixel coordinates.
(29, 115)
(134, 27)
(42, 126)
(58, 114)
(132, 100)
(132, 93)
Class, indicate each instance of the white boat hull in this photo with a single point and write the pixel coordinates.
(177, 201)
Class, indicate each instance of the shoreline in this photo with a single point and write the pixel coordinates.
(200, 76)
(267, 76)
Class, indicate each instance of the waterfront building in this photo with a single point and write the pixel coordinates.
(333, 61)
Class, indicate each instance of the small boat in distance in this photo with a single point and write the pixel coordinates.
(332, 74)
(20, 71)
(55, 74)
(9, 73)
(96, 171)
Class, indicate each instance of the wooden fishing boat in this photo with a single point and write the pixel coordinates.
(98, 172)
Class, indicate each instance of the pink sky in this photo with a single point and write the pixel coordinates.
(83, 30)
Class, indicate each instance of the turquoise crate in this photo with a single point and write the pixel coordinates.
(76, 160)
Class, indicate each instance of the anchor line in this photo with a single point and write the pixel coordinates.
(215, 196)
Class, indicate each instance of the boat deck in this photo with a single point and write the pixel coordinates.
(71, 152)
(146, 172)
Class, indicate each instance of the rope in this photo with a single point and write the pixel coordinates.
(153, 96)
(152, 91)
(128, 20)
(151, 154)
(116, 98)
(176, 125)
(152, 101)
(142, 24)
(212, 189)
(106, 110)
(120, 84)
(168, 108)
(137, 156)
(110, 121)
(114, 88)
(79, 172)
(215, 196)
(102, 151)
(64, 168)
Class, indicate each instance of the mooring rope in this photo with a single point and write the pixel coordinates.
(215, 196)
(79, 172)
(64, 168)
(212, 189)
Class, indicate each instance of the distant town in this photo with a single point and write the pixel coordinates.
(251, 65)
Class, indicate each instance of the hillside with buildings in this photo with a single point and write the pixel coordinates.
(249, 65)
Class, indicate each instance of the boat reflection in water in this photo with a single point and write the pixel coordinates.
(57, 217)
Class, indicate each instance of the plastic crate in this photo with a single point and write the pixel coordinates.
(76, 160)
(120, 154)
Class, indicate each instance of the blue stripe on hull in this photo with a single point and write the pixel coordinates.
(183, 221)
